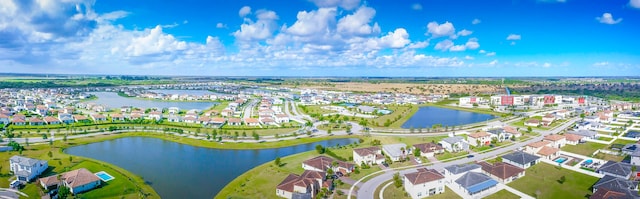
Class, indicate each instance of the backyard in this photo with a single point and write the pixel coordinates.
(546, 181)
(502, 194)
(586, 149)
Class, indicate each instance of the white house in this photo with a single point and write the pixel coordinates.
(369, 155)
(454, 144)
(395, 152)
(78, 181)
(423, 183)
(479, 138)
(27, 169)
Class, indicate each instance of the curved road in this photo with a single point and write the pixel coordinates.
(368, 188)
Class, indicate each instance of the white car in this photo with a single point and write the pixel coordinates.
(15, 184)
(418, 161)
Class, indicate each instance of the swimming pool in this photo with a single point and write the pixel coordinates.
(104, 176)
(560, 159)
(588, 162)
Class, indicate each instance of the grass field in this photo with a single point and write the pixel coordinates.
(543, 181)
(503, 194)
(606, 156)
(586, 149)
(448, 194)
(391, 191)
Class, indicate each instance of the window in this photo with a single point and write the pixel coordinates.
(419, 193)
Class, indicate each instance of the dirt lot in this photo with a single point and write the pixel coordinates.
(406, 87)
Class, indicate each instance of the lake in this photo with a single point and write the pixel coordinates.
(426, 117)
(188, 92)
(177, 170)
(113, 100)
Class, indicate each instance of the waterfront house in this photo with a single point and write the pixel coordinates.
(174, 118)
(616, 169)
(521, 159)
(306, 185)
(155, 115)
(190, 119)
(557, 141)
(251, 122)
(66, 118)
(395, 152)
(98, 117)
(423, 183)
(454, 144)
(18, 121)
(218, 121)
(323, 163)
(26, 169)
(227, 113)
(234, 121)
(502, 172)
(117, 117)
(78, 181)
(429, 149)
(204, 120)
(369, 155)
(80, 118)
(4, 119)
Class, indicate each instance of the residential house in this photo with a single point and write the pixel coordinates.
(235, 121)
(611, 187)
(174, 118)
(423, 183)
(26, 169)
(616, 169)
(502, 172)
(18, 121)
(395, 152)
(456, 171)
(584, 133)
(98, 117)
(454, 144)
(4, 119)
(635, 158)
(479, 139)
(476, 183)
(78, 181)
(251, 122)
(557, 141)
(66, 118)
(35, 121)
(521, 159)
(267, 121)
(306, 185)
(548, 119)
(205, 120)
(323, 163)
(190, 119)
(125, 109)
(532, 122)
(227, 113)
(574, 139)
(512, 130)
(218, 121)
(117, 117)
(155, 115)
(369, 155)
(500, 134)
(429, 149)
(80, 118)
(282, 118)
(543, 149)
(51, 120)
(173, 110)
(366, 109)
(588, 125)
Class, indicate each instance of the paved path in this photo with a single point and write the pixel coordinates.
(514, 191)
(368, 188)
(381, 194)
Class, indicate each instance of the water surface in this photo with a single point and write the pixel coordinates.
(113, 100)
(183, 171)
(426, 117)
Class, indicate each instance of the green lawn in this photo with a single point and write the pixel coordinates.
(119, 186)
(447, 155)
(542, 180)
(586, 149)
(448, 194)
(503, 194)
(605, 139)
(391, 191)
(611, 157)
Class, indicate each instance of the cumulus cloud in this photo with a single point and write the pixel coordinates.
(475, 21)
(513, 37)
(154, 42)
(472, 44)
(546, 65)
(444, 45)
(419, 45)
(634, 3)
(313, 22)
(396, 39)
(261, 29)
(416, 6)
(439, 30)
(221, 25)
(244, 11)
(457, 48)
(345, 4)
(490, 54)
(358, 23)
(468, 57)
(464, 32)
(607, 18)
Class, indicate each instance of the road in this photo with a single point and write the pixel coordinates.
(248, 109)
(368, 188)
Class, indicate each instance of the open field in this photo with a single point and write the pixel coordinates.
(502, 194)
(391, 191)
(543, 181)
(586, 149)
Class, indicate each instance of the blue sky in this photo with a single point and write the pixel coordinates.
(322, 37)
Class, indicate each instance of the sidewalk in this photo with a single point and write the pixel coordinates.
(514, 191)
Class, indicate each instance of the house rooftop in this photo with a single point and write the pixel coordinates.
(520, 157)
(452, 140)
(25, 161)
(476, 182)
(538, 144)
(460, 168)
(616, 168)
(394, 149)
(546, 151)
(423, 176)
(615, 184)
(367, 151)
(501, 170)
(554, 137)
(479, 134)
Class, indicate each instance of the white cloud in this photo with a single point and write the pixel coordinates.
(345, 4)
(419, 45)
(468, 57)
(457, 48)
(607, 18)
(263, 28)
(154, 42)
(313, 23)
(396, 39)
(440, 30)
(444, 45)
(114, 15)
(244, 11)
(634, 3)
(416, 6)
(464, 32)
(604, 63)
(482, 51)
(472, 44)
(475, 21)
(489, 54)
(358, 23)
(512, 37)
(513, 43)
(221, 25)
(546, 65)
(493, 63)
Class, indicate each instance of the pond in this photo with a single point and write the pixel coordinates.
(177, 170)
(187, 92)
(426, 117)
(113, 100)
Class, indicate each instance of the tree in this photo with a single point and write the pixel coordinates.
(416, 152)
(330, 171)
(64, 138)
(26, 141)
(529, 129)
(278, 162)
(562, 180)
(244, 134)
(499, 159)
(256, 136)
(320, 149)
(329, 132)
(50, 154)
(397, 181)
(70, 158)
(44, 136)
(63, 191)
